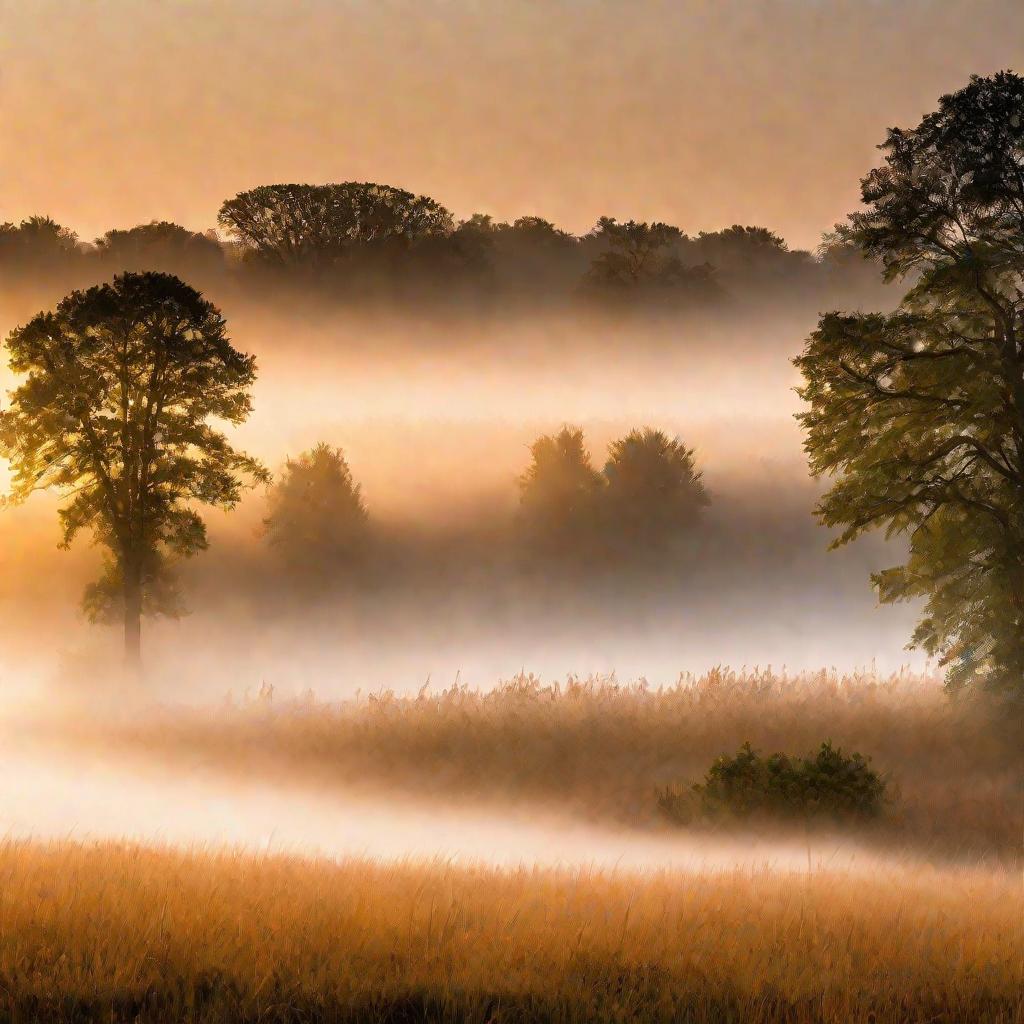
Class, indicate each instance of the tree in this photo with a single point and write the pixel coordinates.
(635, 251)
(314, 225)
(559, 493)
(160, 245)
(317, 520)
(36, 244)
(643, 259)
(920, 413)
(121, 381)
(654, 491)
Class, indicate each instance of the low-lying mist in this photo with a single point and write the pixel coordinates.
(436, 419)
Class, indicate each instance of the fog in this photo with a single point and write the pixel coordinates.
(436, 418)
(50, 792)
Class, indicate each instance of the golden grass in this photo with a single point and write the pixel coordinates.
(118, 933)
(601, 749)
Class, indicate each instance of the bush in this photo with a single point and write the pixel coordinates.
(828, 784)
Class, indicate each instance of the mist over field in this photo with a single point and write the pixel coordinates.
(511, 513)
(436, 419)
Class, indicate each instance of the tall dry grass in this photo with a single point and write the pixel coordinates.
(121, 933)
(601, 749)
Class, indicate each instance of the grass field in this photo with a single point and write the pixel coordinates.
(122, 933)
(600, 750)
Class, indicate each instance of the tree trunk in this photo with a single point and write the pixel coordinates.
(133, 618)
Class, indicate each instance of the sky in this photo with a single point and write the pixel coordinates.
(702, 113)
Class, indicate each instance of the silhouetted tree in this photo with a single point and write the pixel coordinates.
(636, 252)
(317, 521)
(121, 382)
(536, 233)
(314, 225)
(559, 495)
(740, 243)
(920, 413)
(159, 245)
(641, 260)
(37, 244)
(654, 493)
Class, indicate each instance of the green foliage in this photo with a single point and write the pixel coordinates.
(317, 521)
(828, 784)
(120, 383)
(919, 414)
(104, 599)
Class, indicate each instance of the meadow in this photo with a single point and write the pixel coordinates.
(125, 933)
(600, 750)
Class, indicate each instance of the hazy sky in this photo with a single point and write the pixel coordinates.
(700, 112)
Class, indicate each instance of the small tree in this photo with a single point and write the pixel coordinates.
(121, 381)
(654, 491)
(317, 520)
(559, 494)
(920, 413)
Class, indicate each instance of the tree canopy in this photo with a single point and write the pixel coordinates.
(315, 224)
(919, 414)
(654, 491)
(121, 383)
(641, 259)
(36, 244)
(559, 493)
(159, 245)
(649, 494)
(317, 520)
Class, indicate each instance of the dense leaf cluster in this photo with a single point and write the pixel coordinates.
(918, 415)
(828, 784)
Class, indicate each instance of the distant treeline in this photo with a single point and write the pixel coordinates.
(363, 242)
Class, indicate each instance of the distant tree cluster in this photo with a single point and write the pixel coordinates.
(648, 496)
(571, 516)
(362, 241)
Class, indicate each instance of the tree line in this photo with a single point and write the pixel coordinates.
(364, 242)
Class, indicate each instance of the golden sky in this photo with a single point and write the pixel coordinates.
(699, 112)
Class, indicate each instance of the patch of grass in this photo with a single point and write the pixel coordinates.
(121, 933)
(599, 749)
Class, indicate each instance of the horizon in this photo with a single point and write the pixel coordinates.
(591, 109)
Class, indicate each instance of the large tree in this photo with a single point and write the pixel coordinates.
(313, 225)
(919, 414)
(122, 381)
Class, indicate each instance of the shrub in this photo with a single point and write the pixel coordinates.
(828, 784)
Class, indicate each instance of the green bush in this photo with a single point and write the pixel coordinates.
(828, 784)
